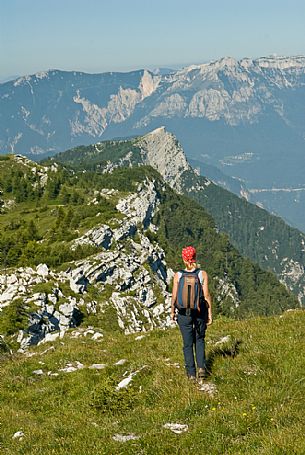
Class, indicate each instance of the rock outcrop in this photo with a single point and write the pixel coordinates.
(132, 276)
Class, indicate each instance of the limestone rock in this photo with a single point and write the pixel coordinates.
(124, 437)
(99, 237)
(161, 151)
(177, 428)
(43, 270)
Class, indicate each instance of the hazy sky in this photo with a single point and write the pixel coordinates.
(119, 35)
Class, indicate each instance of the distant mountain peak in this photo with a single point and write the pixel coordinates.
(163, 152)
(225, 62)
(281, 62)
(149, 83)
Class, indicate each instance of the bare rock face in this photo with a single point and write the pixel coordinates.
(292, 276)
(161, 150)
(93, 119)
(100, 237)
(141, 206)
(227, 292)
(228, 89)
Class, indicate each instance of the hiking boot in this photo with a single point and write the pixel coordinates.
(192, 378)
(202, 375)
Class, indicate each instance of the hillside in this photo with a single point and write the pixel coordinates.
(244, 117)
(65, 394)
(264, 238)
(81, 247)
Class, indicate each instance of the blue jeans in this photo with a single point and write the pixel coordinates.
(193, 332)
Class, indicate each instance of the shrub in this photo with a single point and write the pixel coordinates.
(5, 350)
(13, 318)
(106, 398)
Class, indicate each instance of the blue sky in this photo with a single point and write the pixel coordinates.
(120, 35)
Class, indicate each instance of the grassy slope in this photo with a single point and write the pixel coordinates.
(259, 406)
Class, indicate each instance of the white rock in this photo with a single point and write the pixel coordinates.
(9, 294)
(70, 368)
(140, 206)
(20, 336)
(38, 372)
(18, 435)
(128, 229)
(42, 270)
(52, 374)
(121, 362)
(50, 337)
(224, 339)
(100, 237)
(177, 428)
(91, 307)
(11, 279)
(26, 353)
(67, 309)
(175, 365)
(88, 332)
(209, 388)
(126, 381)
(97, 336)
(52, 298)
(124, 437)
(50, 309)
(97, 366)
(77, 288)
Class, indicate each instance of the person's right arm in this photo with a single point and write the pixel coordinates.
(207, 296)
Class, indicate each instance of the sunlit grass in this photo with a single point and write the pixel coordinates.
(258, 407)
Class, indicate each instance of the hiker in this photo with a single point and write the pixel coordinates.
(192, 302)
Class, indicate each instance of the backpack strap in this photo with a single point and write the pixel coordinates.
(186, 272)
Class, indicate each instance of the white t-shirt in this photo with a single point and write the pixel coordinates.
(200, 275)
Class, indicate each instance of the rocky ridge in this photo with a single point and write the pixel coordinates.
(228, 89)
(161, 150)
(130, 277)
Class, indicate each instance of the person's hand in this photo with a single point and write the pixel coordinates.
(210, 319)
(173, 316)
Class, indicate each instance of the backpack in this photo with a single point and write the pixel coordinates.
(190, 293)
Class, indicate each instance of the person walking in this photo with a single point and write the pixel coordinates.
(192, 308)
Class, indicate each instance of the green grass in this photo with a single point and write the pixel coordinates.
(258, 409)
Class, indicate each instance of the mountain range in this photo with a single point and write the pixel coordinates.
(241, 121)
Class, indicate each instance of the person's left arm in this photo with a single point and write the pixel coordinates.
(174, 297)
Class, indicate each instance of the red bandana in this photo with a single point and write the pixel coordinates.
(189, 254)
